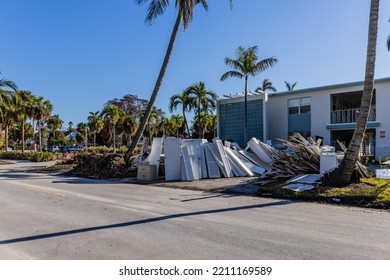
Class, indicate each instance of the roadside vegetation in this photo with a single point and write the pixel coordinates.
(370, 192)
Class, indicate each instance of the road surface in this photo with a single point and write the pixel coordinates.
(56, 217)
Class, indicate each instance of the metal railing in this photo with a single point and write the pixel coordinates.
(350, 115)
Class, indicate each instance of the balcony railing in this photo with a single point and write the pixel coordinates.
(350, 115)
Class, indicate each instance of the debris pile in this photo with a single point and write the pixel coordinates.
(98, 166)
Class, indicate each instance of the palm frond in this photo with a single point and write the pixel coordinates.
(232, 74)
(263, 65)
(234, 63)
(155, 8)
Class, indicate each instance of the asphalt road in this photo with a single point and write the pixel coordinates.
(54, 217)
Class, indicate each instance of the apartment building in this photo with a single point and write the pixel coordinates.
(328, 112)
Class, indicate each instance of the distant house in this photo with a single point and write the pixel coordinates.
(329, 112)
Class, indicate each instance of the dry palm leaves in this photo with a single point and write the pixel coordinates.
(100, 166)
(301, 157)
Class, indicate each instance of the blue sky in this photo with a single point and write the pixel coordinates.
(81, 53)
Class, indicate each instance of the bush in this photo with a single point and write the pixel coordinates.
(32, 156)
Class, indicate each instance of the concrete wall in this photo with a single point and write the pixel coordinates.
(383, 117)
(321, 108)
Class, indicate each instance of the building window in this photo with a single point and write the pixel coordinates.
(299, 106)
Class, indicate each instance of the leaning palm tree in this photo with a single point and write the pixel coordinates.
(186, 103)
(290, 86)
(112, 114)
(204, 98)
(266, 86)
(185, 11)
(247, 64)
(343, 174)
(95, 124)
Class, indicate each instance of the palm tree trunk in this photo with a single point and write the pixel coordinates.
(23, 136)
(157, 86)
(94, 139)
(185, 122)
(246, 111)
(199, 122)
(113, 132)
(39, 135)
(344, 172)
(6, 137)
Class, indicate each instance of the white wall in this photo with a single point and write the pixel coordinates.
(383, 117)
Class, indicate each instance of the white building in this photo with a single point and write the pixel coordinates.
(329, 112)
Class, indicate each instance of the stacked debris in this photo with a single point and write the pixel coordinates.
(98, 166)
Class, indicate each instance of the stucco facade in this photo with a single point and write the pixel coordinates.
(329, 112)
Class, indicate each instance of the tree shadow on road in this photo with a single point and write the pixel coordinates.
(146, 221)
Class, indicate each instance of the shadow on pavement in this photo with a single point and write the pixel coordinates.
(145, 221)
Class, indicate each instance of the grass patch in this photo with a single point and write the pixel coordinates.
(371, 192)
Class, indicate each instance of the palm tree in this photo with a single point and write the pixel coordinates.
(186, 103)
(54, 123)
(204, 98)
(41, 112)
(267, 86)
(129, 125)
(185, 9)
(95, 124)
(206, 122)
(247, 64)
(5, 84)
(343, 174)
(25, 110)
(111, 114)
(290, 87)
(178, 122)
(9, 115)
(153, 121)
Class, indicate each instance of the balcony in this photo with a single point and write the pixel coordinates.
(350, 115)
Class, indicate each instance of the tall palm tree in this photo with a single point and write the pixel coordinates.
(25, 110)
(247, 64)
(290, 86)
(343, 173)
(204, 98)
(95, 124)
(266, 86)
(41, 112)
(8, 107)
(185, 11)
(186, 103)
(112, 114)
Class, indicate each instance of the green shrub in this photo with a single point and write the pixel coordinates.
(42, 156)
(33, 156)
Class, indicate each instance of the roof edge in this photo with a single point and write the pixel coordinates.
(376, 81)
